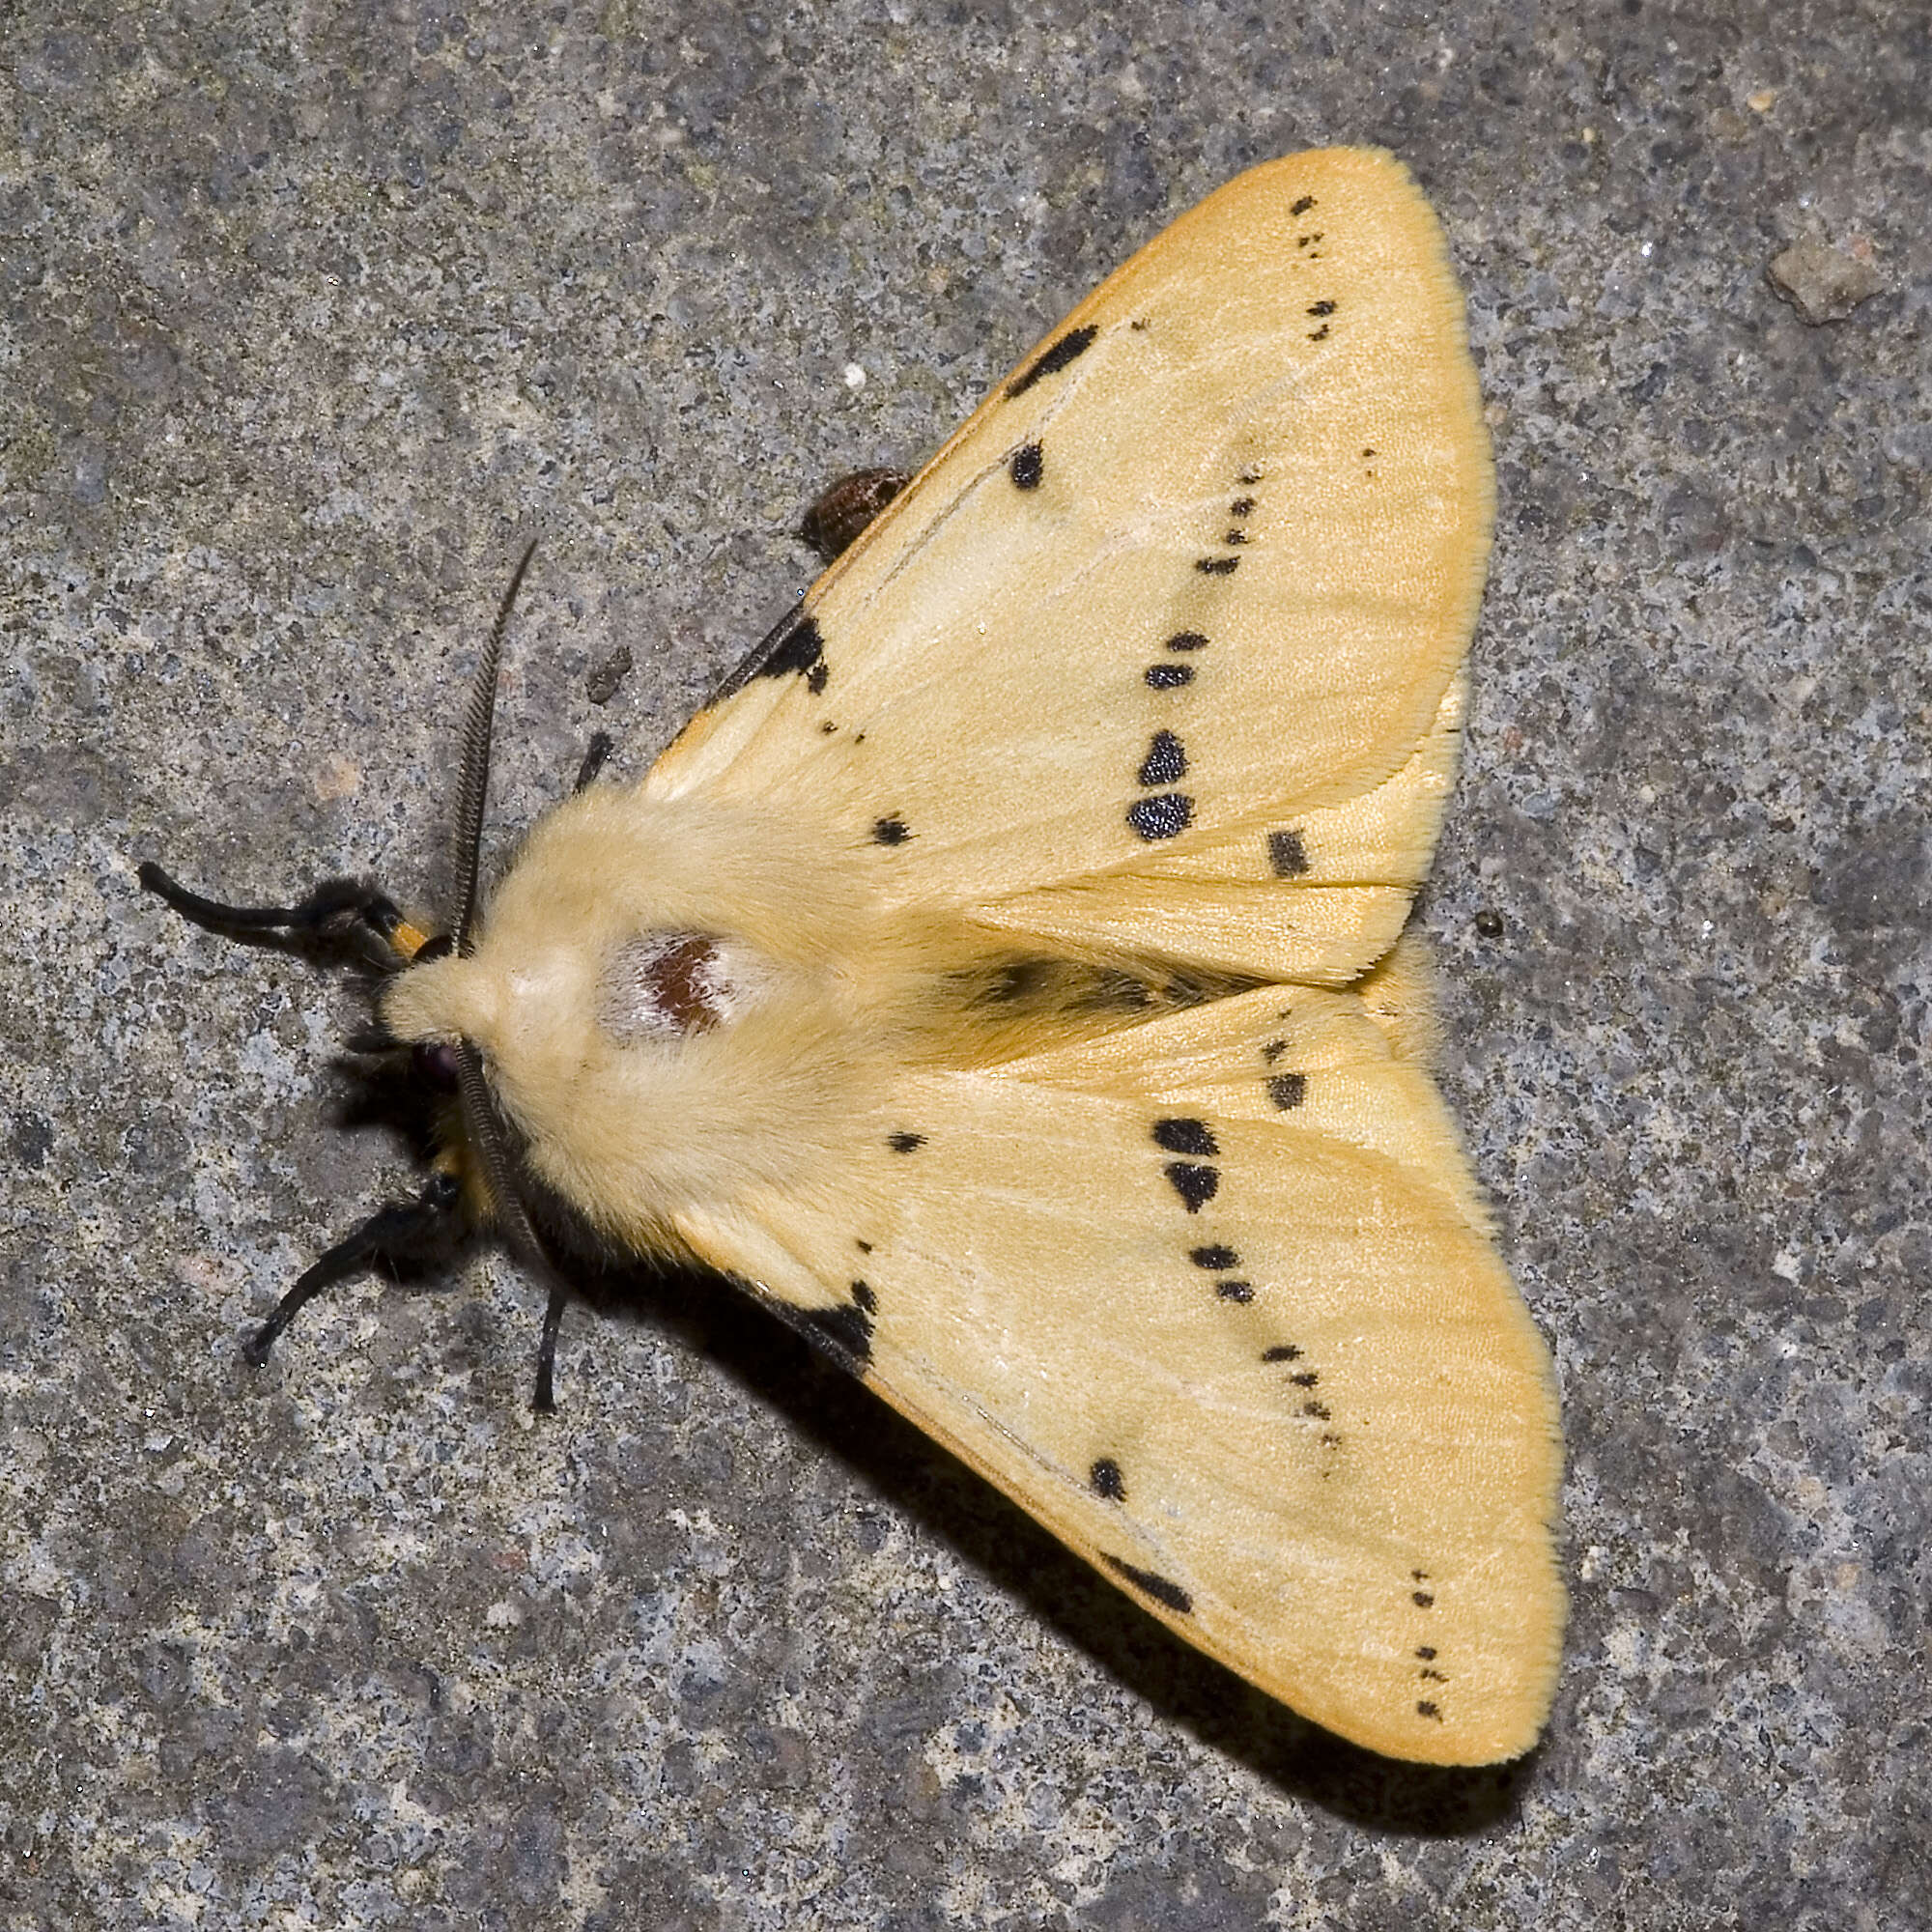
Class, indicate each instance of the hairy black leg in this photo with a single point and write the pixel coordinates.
(338, 912)
(410, 1234)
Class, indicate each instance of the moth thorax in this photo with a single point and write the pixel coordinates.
(668, 985)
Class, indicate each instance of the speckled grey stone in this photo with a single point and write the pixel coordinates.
(308, 316)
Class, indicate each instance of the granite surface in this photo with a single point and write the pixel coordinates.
(308, 315)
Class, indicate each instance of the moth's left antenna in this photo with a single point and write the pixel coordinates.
(474, 790)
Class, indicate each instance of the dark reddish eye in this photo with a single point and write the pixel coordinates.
(436, 1065)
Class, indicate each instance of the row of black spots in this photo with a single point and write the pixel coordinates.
(1053, 358)
(1425, 1653)
(800, 652)
(1194, 1180)
(1168, 814)
(1307, 1379)
(1175, 676)
(1320, 310)
(1162, 1589)
(1285, 1090)
(1218, 1259)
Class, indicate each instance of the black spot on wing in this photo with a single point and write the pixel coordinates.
(1288, 1090)
(1216, 566)
(1166, 815)
(1241, 506)
(1163, 1590)
(904, 1142)
(1166, 761)
(1321, 309)
(893, 831)
(1185, 1136)
(1106, 1480)
(1196, 1186)
(1055, 357)
(1288, 855)
(1214, 1257)
(1425, 1709)
(1302, 206)
(1282, 1351)
(863, 1298)
(1169, 677)
(1234, 1291)
(1187, 640)
(800, 652)
(1028, 467)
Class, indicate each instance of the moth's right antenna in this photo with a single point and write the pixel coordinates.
(474, 786)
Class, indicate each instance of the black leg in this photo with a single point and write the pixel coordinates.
(336, 911)
(409, 1233)
(544, 1400)
(600, 748)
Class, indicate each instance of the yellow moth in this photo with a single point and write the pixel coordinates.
(1004, 977)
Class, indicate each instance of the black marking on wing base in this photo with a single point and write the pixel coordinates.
(1028, 467)
(1051, 361)
(801, 650)
(1106, 1480)
(1288, 855)
(1166, 815)
(1163, 1590)
(844, 1334)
